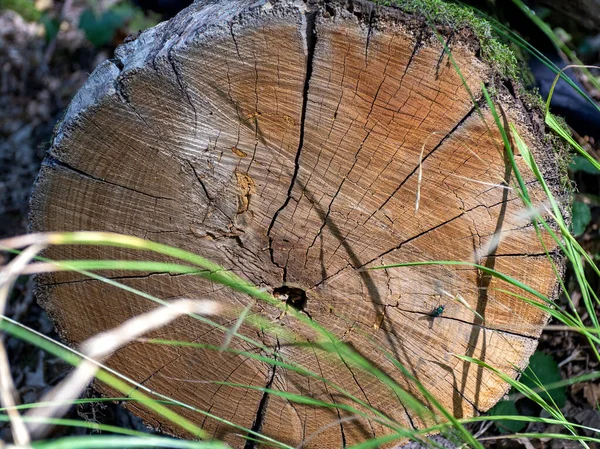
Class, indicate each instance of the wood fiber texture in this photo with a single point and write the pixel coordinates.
(282, 141)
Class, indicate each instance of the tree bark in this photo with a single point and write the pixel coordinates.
(289, 142)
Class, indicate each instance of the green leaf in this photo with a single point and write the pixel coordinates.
(100, 29)
(51, 26)
(581, 217)
(543, 370)
(135, 19)
(580, 163)
(507, 408)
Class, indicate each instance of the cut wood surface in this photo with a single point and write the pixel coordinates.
(291, 143)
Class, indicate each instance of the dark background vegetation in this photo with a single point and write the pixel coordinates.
(49, 47)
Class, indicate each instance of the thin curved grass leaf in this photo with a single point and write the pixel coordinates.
(543, 370)
(94, 426)
(506, 408)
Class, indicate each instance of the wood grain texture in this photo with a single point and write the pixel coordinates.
(282, 141)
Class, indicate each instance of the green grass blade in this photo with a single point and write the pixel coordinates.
(94, 426)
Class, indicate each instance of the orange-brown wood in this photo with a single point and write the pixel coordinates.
(286, 143)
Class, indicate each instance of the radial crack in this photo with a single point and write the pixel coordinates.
(369, 32)
(52, 161)
(416, 236)
(183, 88)
(260, 412)
(441, 142)
(311, 40)
(199, 179)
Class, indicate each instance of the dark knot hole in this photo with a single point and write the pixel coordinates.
(293, 296)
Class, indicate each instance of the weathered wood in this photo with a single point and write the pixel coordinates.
(283, 141)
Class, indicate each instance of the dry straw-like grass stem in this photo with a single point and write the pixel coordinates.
(8, 276)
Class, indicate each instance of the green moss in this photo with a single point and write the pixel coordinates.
(496, 54)
(526, 77)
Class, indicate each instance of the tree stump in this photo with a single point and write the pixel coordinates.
(289, 142)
